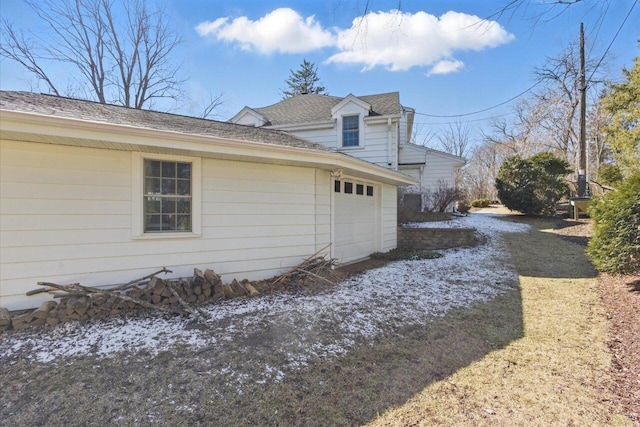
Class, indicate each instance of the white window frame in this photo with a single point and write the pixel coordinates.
(351, 131)
(360, 145)
(137, 187)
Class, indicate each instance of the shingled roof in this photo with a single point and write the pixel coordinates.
(50, 105)
(311, 108)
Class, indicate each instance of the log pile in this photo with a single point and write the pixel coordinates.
(5, 319)
(173, 296)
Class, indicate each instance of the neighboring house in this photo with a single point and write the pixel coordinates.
(101, 194)
(432, 168)
(375, 128)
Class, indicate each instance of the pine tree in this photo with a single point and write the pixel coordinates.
(623, 102)
(304, 81)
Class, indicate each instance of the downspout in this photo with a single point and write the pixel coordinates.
(389, 161)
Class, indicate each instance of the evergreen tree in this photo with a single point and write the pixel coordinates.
(623, 101)
(305, 80)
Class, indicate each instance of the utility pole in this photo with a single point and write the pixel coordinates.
(582, 179)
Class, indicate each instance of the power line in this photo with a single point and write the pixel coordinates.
(613, 40)
(466, 121)
(484, 109)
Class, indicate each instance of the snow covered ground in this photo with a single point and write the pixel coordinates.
(294, 329)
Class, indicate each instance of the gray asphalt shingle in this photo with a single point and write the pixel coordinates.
(51, 105)
(310, 108)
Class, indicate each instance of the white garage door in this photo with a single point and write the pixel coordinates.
(356, 225)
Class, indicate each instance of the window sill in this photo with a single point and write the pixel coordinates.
(167, 236)
(357, 147)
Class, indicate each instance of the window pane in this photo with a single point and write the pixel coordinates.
(350, 139)
(184, 206)
(184, 187)
(152, 205)
(168, 206)
(168, 170)
(152, 223)
(184, 170)
(183, 222)
(151, 168)
(359, 189)
(168, 186)
(169, 222)
(163, 181)
(336, 186)
(152, 186)
(369, 190)
(350, 123)
(348, 187)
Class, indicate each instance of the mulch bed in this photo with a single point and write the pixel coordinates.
(621, 298)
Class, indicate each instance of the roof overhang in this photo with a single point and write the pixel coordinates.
(30, 127)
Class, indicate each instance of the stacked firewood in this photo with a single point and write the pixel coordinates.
(5, 319)
(77, 302)
(173, 296)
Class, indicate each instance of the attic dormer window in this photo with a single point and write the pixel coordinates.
(350, 131)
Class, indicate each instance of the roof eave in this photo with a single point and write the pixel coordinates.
(92, 134)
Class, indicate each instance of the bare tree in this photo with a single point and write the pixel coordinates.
(558, 100)
(211, 107)
(120, 50)
(599, 150)
(456, 139)
(538, 11)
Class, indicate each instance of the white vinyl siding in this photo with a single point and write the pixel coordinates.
(66, 216)
(389, 217)
(439, 168)
(323, 210)
(374, 150)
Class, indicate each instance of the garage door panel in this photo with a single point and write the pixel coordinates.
(356, 229)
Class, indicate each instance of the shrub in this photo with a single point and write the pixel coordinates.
(481, 203)
(610, 175)
(441, 197)
(533, 185)
(615, 246)
(463, 206)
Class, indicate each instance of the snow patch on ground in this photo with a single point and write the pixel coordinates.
(296, 329)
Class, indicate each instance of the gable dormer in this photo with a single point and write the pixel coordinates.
(250, 117)
(349, 115)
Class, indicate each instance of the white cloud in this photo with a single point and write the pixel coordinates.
(399, 41)
(446, 66)
(282, 30)
(395, 40)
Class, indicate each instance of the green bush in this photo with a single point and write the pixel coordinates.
(533, 185)
(615, 246)
(610, 175)
(481, 203)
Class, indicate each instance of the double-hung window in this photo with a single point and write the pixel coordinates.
(350, 131)
(167, 196)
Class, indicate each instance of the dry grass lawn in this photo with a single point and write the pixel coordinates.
(555, 374)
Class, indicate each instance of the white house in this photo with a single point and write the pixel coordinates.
(101, 194)
(375, 128)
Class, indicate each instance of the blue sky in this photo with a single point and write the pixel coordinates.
(439, 55)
